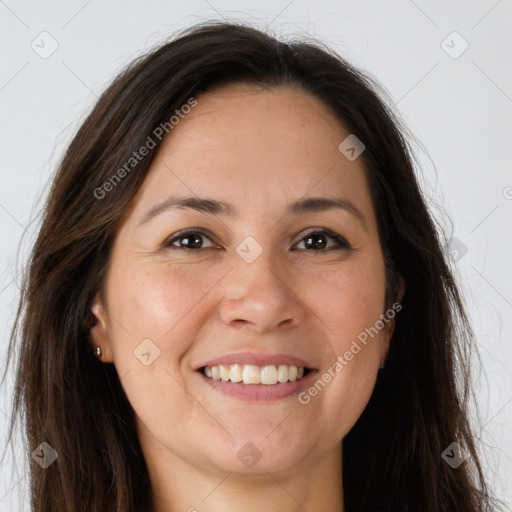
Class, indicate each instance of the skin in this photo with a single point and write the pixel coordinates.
(259, 151)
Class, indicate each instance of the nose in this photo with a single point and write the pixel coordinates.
(261, 296)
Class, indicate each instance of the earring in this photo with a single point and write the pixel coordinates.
(98, 352)
(381, 365)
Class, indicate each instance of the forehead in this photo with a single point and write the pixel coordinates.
(245, 121)
(256, 148)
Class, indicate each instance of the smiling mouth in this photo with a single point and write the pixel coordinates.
(252, 374)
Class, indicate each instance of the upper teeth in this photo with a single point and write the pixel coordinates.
(252, 374)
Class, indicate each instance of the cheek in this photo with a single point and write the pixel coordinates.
(350, 299)
(350, 306)
(157, 298)
(351, 390)
(154, 313)
(156, 304)
(344, 385)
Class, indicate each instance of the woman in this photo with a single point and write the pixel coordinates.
(182, 348)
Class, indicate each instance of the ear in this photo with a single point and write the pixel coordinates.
(98, 333)
(389, 328)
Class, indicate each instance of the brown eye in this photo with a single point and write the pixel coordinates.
(317, 240)
(192, 239)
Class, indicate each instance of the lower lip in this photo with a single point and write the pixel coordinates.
(259, 392)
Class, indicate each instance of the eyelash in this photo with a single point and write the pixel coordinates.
(343, 244)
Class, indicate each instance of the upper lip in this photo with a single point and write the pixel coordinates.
(257, 359)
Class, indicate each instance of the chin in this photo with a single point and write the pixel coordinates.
(259, 451)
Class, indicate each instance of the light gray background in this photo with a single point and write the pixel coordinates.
(460, 109)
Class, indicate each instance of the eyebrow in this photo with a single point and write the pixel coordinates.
(215, 207)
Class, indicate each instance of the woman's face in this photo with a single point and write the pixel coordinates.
(248, 285)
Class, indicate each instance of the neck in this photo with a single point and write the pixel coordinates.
(309, 485)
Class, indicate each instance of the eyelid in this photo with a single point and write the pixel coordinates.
(310, 231)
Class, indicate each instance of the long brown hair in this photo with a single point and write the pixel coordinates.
(392, 456)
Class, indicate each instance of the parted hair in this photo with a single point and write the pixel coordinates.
(64, 396)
